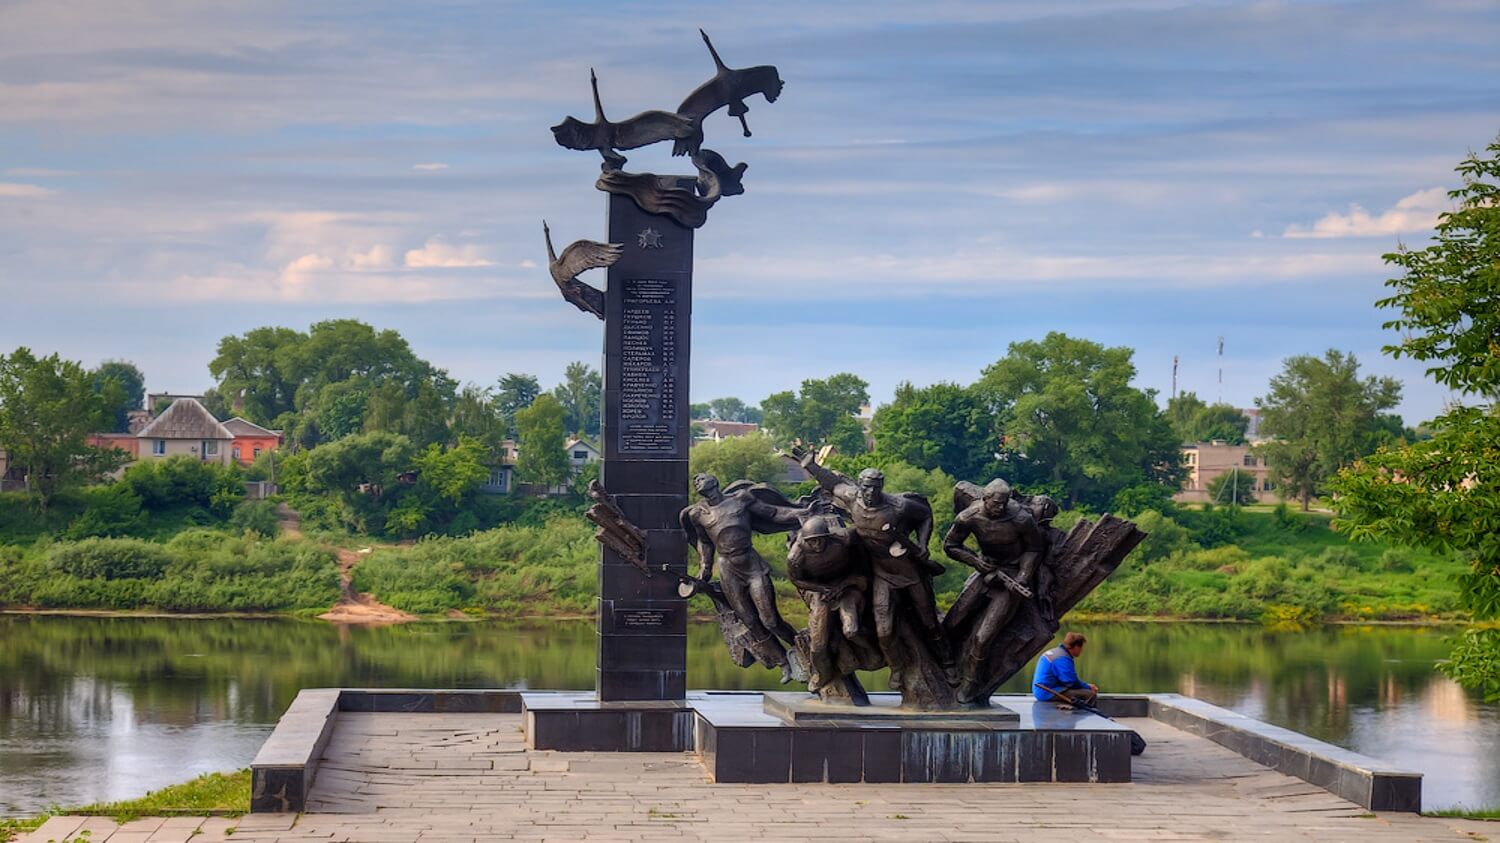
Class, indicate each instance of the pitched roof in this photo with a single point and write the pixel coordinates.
(579, 440)
(240, 427)
(185, 419)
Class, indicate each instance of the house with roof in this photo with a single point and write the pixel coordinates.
(185, 427)
(250, 440)
(581, 452)
(716, 430)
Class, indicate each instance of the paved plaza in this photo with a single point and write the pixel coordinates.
(409, 777)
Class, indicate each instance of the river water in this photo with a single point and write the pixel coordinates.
(95, 709)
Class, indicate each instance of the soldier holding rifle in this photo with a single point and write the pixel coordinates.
(1010, 548)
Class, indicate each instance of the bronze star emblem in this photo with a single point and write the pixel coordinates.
(649, 239)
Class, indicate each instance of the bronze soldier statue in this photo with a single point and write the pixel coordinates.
(828, 566)
(902, 570)
(1010, 548)
(720, 525)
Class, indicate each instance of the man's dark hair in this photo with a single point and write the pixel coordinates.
(1073, 639)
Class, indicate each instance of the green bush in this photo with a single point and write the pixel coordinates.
(110, 511)
(184, 482)
(1164, 537)
(111, 559)
(257, 517)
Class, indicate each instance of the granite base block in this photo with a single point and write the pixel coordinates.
(581, 723)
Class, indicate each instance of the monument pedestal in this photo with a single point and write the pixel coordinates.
(646, 433)
(739, 739)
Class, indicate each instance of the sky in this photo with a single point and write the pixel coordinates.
(937, 181)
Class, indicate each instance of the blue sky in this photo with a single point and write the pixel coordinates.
(937, 180)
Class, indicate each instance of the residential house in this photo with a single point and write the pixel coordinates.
(250, 440)
(581, 452)
(1208, 460)
(502, 479)
(186, 427)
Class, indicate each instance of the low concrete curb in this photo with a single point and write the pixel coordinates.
(1361, 779)
(283, 771)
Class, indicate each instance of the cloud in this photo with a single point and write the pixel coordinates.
(432, 167)
(1417, 212)
(14, 190)
(36, 172)
(437, 254)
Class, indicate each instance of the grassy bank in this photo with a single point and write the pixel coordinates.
(197, 570)
(211, 794)
(1268, 565)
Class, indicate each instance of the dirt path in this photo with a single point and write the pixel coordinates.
(355, 607)
(352, 606)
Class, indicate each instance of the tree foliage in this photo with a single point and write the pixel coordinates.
(943, 426)
(48, 408)
(129, 391)
(540, 435)
(1195, 421)
(1320, 416)
(732, 410)
(514, 393)
(1444, 492)
(1233, 488)
(1072, 424)
(580, 394)
(339, 378)
(824, 413)
(750, 457)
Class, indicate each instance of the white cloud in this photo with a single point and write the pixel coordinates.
(13, 190)
(527, 264)
(1414, 213)
(432, 167)
(36, 172)
(437, 254)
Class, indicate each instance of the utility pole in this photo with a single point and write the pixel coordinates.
(1174, 376)
(1221, 371)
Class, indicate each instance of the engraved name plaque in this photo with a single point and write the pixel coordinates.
(650, 370)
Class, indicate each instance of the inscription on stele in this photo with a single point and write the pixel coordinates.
(649, 367)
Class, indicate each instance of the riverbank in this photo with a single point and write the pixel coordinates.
(1273, 567)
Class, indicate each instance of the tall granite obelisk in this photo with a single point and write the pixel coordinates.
(647, 432)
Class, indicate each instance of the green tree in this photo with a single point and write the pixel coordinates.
(1195, 421)
(514, 393)
(1320, 416)
(1235, 488)
(750, 457)
(255, 369)
(48, 408)
(823, 414)
(1073, 425)
(1444, 492)
(475, 417)
(130, 385)
(940, 426)
(540, 436)
(733, 410)
(579, 395)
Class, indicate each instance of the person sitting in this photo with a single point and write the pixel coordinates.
(1055, 673)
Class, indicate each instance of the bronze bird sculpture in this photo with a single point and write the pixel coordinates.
(729, 87)
(578, 258)
(644, 129)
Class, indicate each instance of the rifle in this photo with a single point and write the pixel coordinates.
(1009, 582)
(1137, 743)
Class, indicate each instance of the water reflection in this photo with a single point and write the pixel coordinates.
(107, 708)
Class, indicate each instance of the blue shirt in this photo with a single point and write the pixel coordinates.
(1055, 670)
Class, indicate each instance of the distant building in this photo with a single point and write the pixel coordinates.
(714, 430)
(581, 452)
(128, 443)
(1252, 431)
(11, 479)
(1208, 460)
(250, 440)
(187, 428)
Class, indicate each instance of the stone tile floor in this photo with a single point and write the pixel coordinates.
(465, 777)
